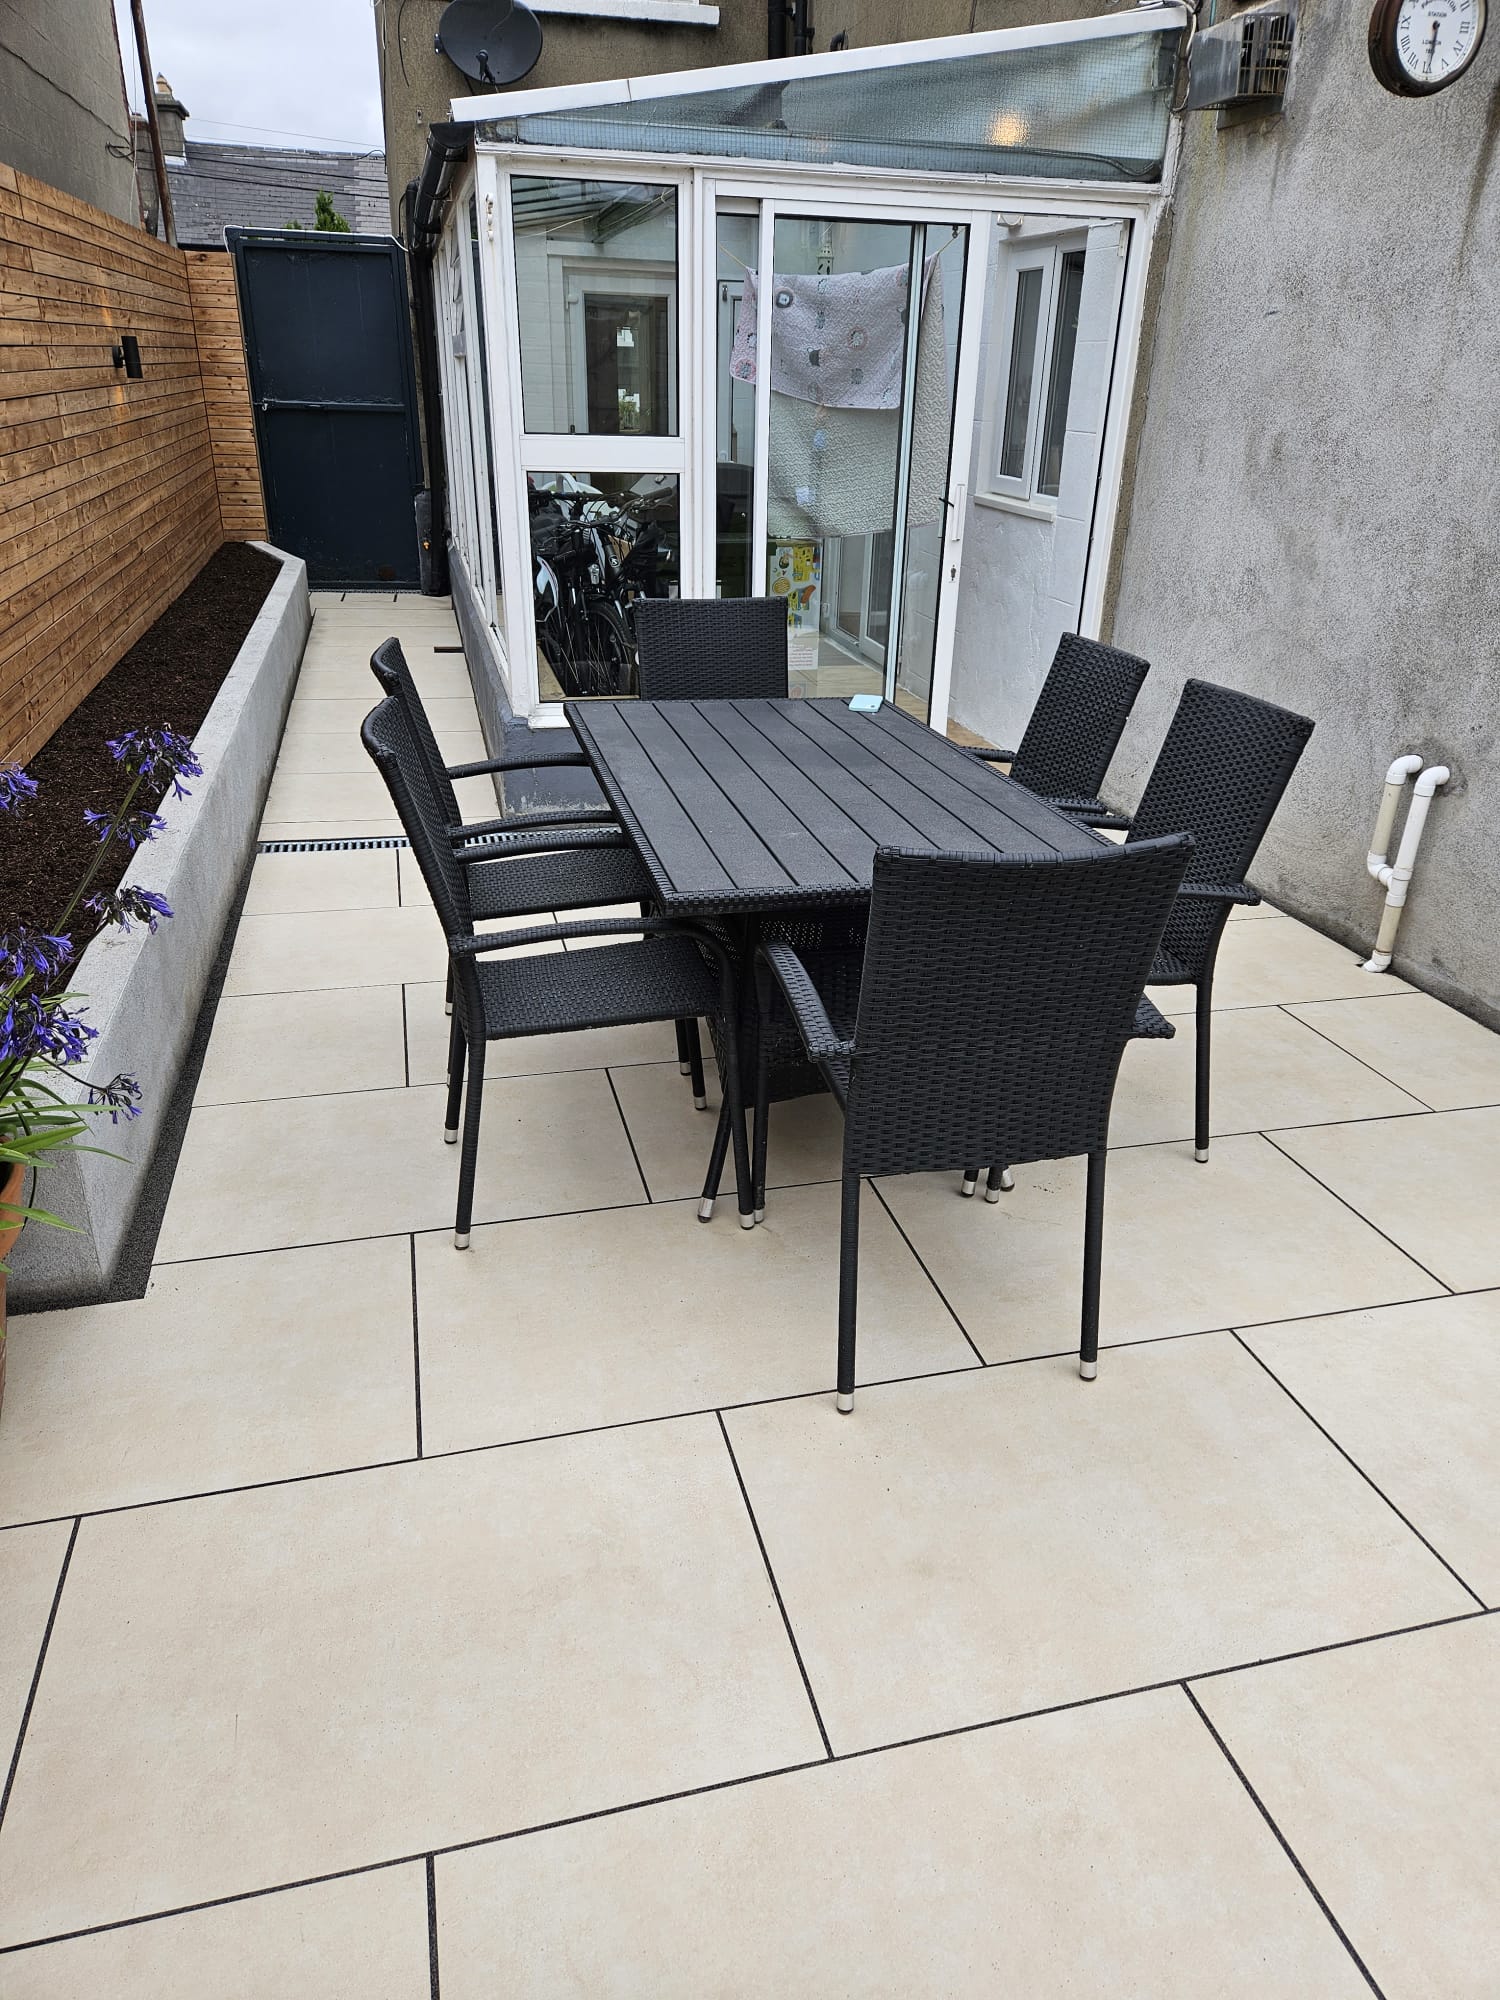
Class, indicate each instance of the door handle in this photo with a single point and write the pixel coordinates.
(955, 508)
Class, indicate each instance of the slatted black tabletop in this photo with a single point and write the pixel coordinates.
(737, 806)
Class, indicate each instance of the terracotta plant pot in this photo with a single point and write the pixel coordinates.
(12, 1180)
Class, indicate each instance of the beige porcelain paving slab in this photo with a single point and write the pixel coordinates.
(361, 1938)
(530, 1055)
(335, 795)
(370, 1163)
(310, 716)
(1412, 1393)
(1245, 1238)
(1106, 1851)
(1243, 913)
(358, 880)
(343, 1038)
(1381, 1766)
(31, 1561)
(226, 1373)
(1431, 1183)
(1435, 1052)
(1268, 1070)
(301, 950)
(602, 1319)
(324, 681)
(1272, 965)
(997, 1542)
(263, 1686)
(673, 1139)
(312, 755)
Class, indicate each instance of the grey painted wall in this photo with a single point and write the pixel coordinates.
(62, 101)
(1312, 516)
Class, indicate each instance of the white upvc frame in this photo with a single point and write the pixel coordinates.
(1032, 253)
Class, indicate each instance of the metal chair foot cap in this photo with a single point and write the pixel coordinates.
(448, 1007)
(845, 1403)
(1088, 1370)
(1200, 1154)
(968, 1187)
(992, 1194)
(700, 1104)
(460, 1239)
(684, 1069)
(747, 1221)
(450, 1135)
(705, 1211)
(760, 1215)
(1007, 1182)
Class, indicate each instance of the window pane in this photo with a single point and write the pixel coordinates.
(738, 245)
(596, 284)
(1017, 426)
(1060, 374)
(492, 518)
(600, 541)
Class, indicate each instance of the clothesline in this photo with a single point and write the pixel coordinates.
(749, 269)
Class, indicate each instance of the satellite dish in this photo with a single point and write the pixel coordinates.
(493, 41)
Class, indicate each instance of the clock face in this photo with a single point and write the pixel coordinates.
(1421, 46)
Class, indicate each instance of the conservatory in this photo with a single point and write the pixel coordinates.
(856, 330)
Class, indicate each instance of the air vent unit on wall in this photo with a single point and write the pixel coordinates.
(1244, 60)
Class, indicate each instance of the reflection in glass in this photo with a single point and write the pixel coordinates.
(734, 451)
(1022, 373)
(599, 543)
(483, 427)
(596, 285)
(935, 385)
(1060, 375)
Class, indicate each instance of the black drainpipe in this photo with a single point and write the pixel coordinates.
(422, 207)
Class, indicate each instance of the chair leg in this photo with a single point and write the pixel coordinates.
(455, 1080)
(1093, 1251)
(1000, 1178)
(448, 993)
(467, 1159)
(694, 1043)
(848, 1289)
(716, 1160)
(734, 1097)
(684, 1067)
(970, 1181)
(762, 1091)
(1202, 1058)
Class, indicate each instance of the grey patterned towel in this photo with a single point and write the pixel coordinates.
(839, 341)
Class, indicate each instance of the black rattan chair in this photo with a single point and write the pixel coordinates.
(986, 1021)
(711, 648)
(1220, 775)
(1076, 726)
(675, 973)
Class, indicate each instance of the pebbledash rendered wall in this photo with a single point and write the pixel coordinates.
(1311, 513)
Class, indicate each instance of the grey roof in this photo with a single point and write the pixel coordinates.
(266, 187)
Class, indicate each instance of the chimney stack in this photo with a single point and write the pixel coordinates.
(171, 114)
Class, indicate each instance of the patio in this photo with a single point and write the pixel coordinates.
(383, 1620)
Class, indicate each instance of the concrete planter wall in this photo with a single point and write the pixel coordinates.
(144, 992)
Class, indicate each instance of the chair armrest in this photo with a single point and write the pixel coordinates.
(1150, 1023)
(806, 1003)
(1221, 892)
(988, 756)
(1093, 812)
(501, 846)
(485, 941)
(514, 763)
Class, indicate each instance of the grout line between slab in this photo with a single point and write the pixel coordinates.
(760, 1543)
(1400, 1248)
(432, 1926)
(36, 1678)
(629, 1139)
(721, 1785)
(874, 1188)
(1405, 1521)
(416, 1344)
(1288, 1005)
(1286, 1846)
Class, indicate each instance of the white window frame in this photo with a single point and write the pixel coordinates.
(1036, 253)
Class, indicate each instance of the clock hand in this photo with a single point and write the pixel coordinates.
(1432, 47)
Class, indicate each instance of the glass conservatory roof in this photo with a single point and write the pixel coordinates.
(1089, 101)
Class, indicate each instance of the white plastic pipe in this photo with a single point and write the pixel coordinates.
(1396, 876)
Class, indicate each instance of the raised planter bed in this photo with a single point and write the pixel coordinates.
(144, 992)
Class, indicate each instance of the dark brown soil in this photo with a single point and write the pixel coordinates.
(170, 676)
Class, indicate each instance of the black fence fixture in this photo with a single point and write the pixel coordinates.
(128, 356)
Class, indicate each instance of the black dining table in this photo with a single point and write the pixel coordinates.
(745, 808)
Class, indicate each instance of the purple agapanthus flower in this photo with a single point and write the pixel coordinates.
(131, 827)
(24, 951)
(32, 1026)
(121, 1096)
(156, 754)
(16, 789)
(127, 905)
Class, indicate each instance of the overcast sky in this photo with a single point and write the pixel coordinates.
(266, 72)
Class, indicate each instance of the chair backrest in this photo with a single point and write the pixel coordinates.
(711, 648)
(1079, 716)
(997, 997)
(1220, 775)
(388, 664)
(388, 736)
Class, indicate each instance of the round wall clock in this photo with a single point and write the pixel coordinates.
(1418, 47)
